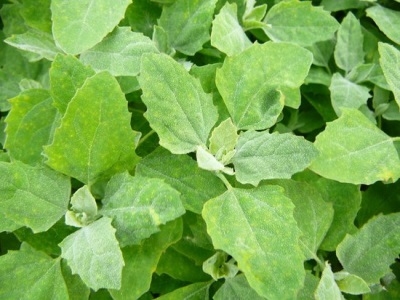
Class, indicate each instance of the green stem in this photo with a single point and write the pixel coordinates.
(396, 139)
(149, 134)
(224, 180)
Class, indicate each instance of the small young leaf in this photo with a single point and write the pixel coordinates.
(388, 21)
(390, 58)
(207, 161)
(236, 288)
(218, 267)
(327, 287)
(351, 284)
(223, 137)
(84, 208)
(93, 253)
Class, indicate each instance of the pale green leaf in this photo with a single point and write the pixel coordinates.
(256, 227)
(195, 291)
(36, 197)
(370, 251)
(218, 266)
(119, 53)
(187, 23)
(139, 205)
(346, 94)
(86, 145)
(35, 41)
(67, 75)
(78, 25)
(37, 14)
(236, 288)
(351, 284)
(223, 137)
(31, 274)
(322, 52)
(388, 21)
(349, 46)
(30, 125)
(354, 150)
(299, 22)
(261, 155)
(178, 109)
(327, 288)
(93, 253)
(142, 260)
(84, 208)
(161, 41)
(318, 75)
(250, 83)
(207, 161)
(369, 72)
(182, 173)
(390, 60)
(227, 35)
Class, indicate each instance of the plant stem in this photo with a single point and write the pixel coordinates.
(149, 134)
(224, 180)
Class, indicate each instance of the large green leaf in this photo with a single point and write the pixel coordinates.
(388, 21)
(93, 253)
(195, 291)
(36, 197)
(67, 75)
(327, 288)
(349, 46)
(119, 53)
(236, 288)
(257, 228)
(390, 60)
(354, 150)
(299, 22)
(178, 109)
(80, 24)
(252, 83)
(186, 19)
(227, 35)
(95, 139)
(261, 155)
(30, 125)
(141, 261)
(370, 251)
(139, 205)
(31, 274)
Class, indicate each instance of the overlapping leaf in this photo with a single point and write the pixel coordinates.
(390, 60)
(388, 20)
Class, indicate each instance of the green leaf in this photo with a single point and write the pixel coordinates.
(256, 227)
(182, 173)
(37, 14)
(195, 291)
(334, 5)
(78, 25)
(351, 284)
(354, 150)
(35, 41)
(139, 205)
(178, 109)
(236, 288)
(77, 290)
(369, 73)
(141, 261)
(207, 161)
(299, 22)
(84, 208)
(142, 16)
(250, 83)
(223, 137)
(370, 251)
(310, 285)
(185, 19)
(390, 59)
(349, 46)
(322, 52)
(30, 125)
(261, 155)
(93, 253)
(85, 145)
(67, 75)
(346, 94)
(227, 35)
(36, 197)
(218, 266)
(388, 21)
(31, 274)
(327, 288)
(119, 53)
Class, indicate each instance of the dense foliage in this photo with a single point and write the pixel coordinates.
(199, 149)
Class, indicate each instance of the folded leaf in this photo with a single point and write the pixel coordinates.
(327, 287)
(256, 227)
(261, 155)
(390, 58)
(351, 284)
(178, 109)
(388, 21)
(354, 150)
(139, 205)
(224, 137)
(93, 253)
(84, 208)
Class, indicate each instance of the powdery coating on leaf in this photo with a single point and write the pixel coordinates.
(354, 150)
(139, 205)
(256, 227)
(251, 83)
(369, 252)
(119, 53)
(261, 155)
(80, 24)
(327, 288)
(93, 253)
(187, 23)
(388, 21)
(95, 139)
(390, 62)
(36, 197)
(178, 109)
(299, 22)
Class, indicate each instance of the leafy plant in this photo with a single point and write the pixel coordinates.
(200, 149)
